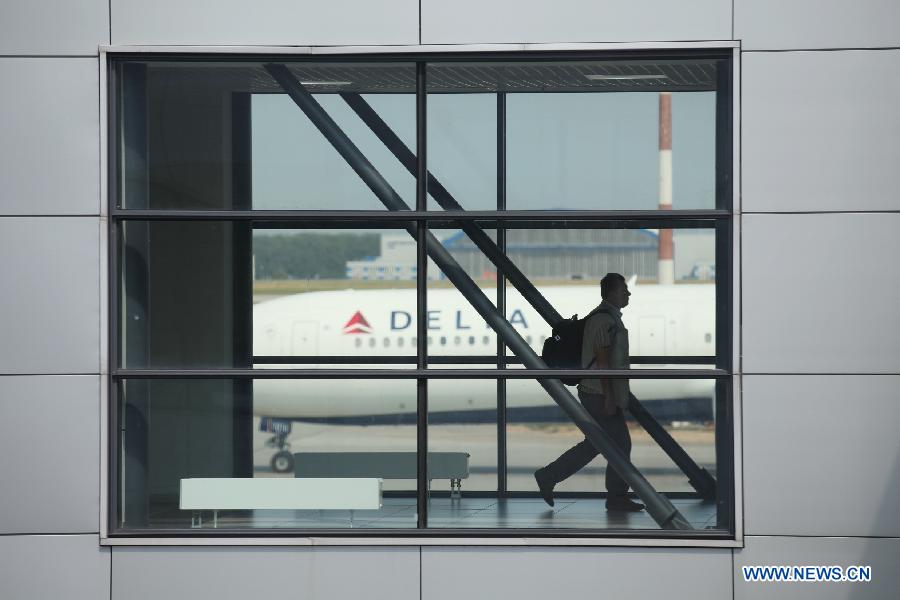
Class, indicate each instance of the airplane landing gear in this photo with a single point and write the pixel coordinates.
(282, 461)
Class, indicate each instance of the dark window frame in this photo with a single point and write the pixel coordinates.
(722, 218)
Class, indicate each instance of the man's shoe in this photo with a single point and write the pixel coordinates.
(545, 485)
(623, 504)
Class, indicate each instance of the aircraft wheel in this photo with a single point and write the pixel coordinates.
(283, 462)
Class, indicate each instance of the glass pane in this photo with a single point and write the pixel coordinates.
(462, 421)
(185, 294)
(229, 433)
(287, 149)
(594, 151)
(591, 134)
(336, 293)
(670, 275)
(228, 136)
(462, 430)
(462, 150)
(455, 327)
(462, 417)
(539, 433)
(588, 135)
(218, 294)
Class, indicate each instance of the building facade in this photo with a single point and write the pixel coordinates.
(815, 290)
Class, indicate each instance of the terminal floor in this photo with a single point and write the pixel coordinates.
(476, 513)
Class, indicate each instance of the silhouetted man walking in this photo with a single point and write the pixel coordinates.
(605, 346)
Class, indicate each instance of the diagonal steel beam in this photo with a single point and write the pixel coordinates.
(699, 478)
(446, 201)
(659, 507)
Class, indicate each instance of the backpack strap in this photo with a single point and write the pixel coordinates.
(597, 310)
(586, 317)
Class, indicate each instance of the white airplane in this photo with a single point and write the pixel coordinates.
(663, 320)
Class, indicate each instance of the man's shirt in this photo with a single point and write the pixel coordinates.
(605, 329)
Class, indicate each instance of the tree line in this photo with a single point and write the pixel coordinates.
(311, 255)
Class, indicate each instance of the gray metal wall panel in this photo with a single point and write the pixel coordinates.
(49, 119)
(533, 573)
(821, 455)
(268, 22)
(799, 24)
(50, 306)
(73, 567)
(880, 554)
(49, 454)
(819, 130)
(242, 573)
(820, 293)
(53, 26)
(509, 21)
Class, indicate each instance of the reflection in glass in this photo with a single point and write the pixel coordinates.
(179, 429)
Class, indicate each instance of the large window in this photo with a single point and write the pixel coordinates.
(333, 280)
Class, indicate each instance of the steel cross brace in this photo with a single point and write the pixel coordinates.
(698, 477)
(659, 507)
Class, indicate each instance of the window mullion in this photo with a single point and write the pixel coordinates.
(421, 302)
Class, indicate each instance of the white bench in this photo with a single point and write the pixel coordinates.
(384, 465)
(278, 493)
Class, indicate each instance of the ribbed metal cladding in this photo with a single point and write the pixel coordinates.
(587, 76)
(469, 77)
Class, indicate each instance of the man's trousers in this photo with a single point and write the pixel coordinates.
(578, 456)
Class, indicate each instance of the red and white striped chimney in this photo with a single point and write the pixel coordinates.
(666, 267)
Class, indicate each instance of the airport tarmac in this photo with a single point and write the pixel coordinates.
(529, 446)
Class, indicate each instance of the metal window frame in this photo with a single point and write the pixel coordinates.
(725, 219)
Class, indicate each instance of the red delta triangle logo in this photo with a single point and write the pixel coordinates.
(357, 324)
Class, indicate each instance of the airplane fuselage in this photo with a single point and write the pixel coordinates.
(665, 320)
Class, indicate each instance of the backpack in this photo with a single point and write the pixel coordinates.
(562, 350)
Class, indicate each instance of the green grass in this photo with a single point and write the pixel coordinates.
(276, 287)
(280, 287)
